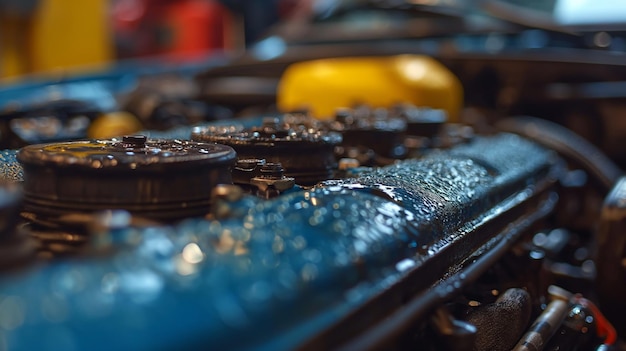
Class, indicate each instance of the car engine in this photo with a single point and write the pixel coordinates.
(365, 175)
(379, 229)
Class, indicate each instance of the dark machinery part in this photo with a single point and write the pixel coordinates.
(265, 179)
(10, 201)
(305, 154)
(372, 128)
(423, 122)
(454, 334)
(606, 271)
(544, 327)
(568, 144)
(58, 120)
(360, 257)
(404, 177)
(610, 256)
(577, 331)
(158, 179)
(378, 137)
(494, 333)
(167, 101)
(16, 248)
(365, 262)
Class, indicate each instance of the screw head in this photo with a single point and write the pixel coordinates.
(134, 140)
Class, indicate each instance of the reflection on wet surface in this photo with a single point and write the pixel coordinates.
(264, 267)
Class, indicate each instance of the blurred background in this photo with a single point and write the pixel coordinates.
(46, 35)
(159, 64)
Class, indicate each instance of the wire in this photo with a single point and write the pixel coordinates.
(604, 327)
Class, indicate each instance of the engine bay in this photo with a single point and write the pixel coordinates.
(288, 232)
(366, 175)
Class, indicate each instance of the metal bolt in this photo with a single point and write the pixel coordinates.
(134, 140)
(249, 163)
(272, 170)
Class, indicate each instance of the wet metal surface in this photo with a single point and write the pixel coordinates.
(305, 153)
(269, 274)
(161, 179)
(119, 154)
(10, 169)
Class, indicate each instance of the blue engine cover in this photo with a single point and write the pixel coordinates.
(274, 273)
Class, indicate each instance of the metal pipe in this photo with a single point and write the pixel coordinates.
(544, 327)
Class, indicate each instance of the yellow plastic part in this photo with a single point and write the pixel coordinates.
(114, 124)
(13, 50)
(322, 86)
(69, 33)
(56, 35)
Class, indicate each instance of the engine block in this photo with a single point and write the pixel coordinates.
(326, 266)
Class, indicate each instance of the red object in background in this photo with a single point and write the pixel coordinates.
(182, 28)
(197, 26)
